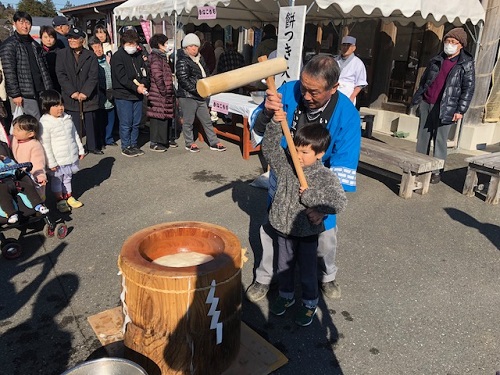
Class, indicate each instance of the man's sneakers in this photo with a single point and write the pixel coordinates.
(193, 148)
(132, 151)
(435, 178)
(331, 289)
(257, 291)
(157, 147)
(218, 147)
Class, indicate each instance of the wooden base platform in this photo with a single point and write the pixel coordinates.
(256, 355)
(488, 164)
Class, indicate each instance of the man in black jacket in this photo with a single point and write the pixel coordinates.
(24, 66)
(77, 70)
(444, 95)
(130, 79)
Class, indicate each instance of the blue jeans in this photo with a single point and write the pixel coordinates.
(107, 122)
(129, 115)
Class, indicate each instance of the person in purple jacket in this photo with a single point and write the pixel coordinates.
(444, 95)
(161, 96)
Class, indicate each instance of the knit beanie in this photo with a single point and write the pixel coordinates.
(190, 40)
(459, 34)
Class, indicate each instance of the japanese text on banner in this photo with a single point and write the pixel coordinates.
(290, 41)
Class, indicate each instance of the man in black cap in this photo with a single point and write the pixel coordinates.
(444, 95)
(24, 66)
(61, 25)
(78, 72)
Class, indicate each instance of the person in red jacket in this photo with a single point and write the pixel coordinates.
(161, 96)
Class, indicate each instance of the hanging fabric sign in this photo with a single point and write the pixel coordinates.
(207, 13)
(291, 28)
(146, 28)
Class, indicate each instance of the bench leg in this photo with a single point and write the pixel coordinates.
(470, 182)
(493, 195)
(407, 185)
(246, 142)
(425, 181)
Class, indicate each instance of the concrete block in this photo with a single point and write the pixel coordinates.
(408, 124)
(473, 135)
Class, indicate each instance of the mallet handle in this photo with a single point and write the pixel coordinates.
(271, 85)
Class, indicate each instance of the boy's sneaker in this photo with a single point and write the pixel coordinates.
(305, 315)
(157, 147)
(193, 148)
(218, 147)
(130, 152)
(42, 209)
(257, 291)
(173, 144)
(331, 289)
(13, 219)
(280, 305)
(63, 206)
(73, 203)
(137, 150)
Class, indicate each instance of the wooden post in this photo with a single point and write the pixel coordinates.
(383, 64)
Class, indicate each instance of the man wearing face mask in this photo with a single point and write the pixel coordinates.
(444, 95)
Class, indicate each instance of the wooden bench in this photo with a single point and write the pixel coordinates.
(488, 164)
(417, 168)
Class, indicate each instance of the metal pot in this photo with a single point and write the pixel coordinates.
(107, 366)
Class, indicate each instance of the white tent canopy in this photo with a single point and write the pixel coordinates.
(249, 13)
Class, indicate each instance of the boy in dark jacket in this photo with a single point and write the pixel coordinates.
(297, 235)
(130, 79)
(444, 95)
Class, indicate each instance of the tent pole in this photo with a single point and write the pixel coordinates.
(115, 32)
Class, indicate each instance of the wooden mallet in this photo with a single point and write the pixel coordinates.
(240, 77)
(271, 85)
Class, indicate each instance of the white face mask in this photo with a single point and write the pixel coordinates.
(130, 50)
(450, 49)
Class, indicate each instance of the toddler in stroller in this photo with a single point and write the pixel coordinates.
(20, 203)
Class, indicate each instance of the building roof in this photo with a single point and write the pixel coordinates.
(101, 4)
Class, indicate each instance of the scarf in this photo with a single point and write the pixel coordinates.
(196, 59)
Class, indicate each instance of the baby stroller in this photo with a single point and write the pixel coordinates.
(10, 247)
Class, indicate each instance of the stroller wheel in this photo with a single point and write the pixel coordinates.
(48, 231)
(61, 230)
(11, 248)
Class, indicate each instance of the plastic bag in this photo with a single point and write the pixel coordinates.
(17, 112)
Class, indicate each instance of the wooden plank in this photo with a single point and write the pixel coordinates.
(424, 180)
(470, 182)
(407, 185)
(256, 356)
(493, 195)
(406, 160)
(491, 160)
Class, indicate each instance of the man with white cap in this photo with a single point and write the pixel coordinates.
(352, 70)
